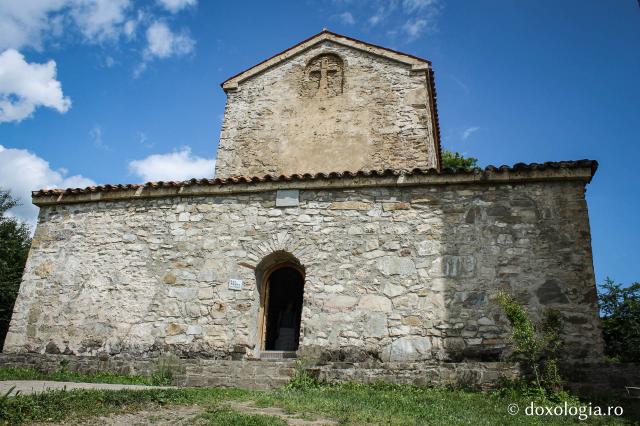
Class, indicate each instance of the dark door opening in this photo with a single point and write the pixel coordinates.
(284, 308)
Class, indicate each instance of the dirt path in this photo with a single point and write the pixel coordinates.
(165, 416)
(27, 387)
(187, 415)
(177, 415)
(291, 419)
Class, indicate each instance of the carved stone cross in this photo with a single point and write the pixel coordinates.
(322, 71)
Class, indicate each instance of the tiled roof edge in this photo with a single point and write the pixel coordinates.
(478, 174)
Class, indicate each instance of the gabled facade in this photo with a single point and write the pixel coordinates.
(330, 104)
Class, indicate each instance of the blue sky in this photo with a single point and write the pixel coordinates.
(118, 91)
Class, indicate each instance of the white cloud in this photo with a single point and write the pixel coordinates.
(179, 165)
(143, 140)
(423, 17)
(414, 28)
(38, 23)
(22, 172)
(100, 20)
(175, 6)
(469, 131)
(407, 18)
(23, 22)
(346, 18)
(26, 23)
(163, 43)
(26, 86)
(418, 5)
(381, 14)
(95, 134)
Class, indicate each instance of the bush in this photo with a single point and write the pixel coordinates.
(166, 366)
(302, 379)
(620, 313)
(536, 346)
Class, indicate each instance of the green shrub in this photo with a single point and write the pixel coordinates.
(536, 346)
(302, 379)
(165, 368)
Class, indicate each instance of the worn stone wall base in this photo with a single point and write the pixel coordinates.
(244, 374)
(479, 375)
(255, 374)
(584, 379)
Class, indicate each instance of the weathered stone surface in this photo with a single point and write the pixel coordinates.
(279, 121)
(372, 302)
(392, 265)
(550, 292)
(376, 325)
(350, 205)
(420, 274)
(411, 348)
(389, 207)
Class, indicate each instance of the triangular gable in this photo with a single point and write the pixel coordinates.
(416, 63)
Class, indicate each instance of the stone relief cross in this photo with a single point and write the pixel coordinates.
(323, 68)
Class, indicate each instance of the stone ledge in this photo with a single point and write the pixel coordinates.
(489, 176)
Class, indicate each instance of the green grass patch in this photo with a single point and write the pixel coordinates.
(55, 406)
(64, 375)
(348, 403)
(224, 416)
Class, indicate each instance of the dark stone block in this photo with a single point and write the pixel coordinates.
(52, 348)
(550, 292)
(475, 299)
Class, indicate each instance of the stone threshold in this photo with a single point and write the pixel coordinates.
(277, 355)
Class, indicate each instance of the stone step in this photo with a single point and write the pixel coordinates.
(277, 355)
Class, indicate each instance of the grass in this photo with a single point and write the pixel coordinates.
(348, 403)
(64, 375)
(225, 416)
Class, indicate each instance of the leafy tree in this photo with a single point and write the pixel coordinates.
(620, 311)
(455, 160)
(14, 247)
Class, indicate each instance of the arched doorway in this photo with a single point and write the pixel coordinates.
(283, 294)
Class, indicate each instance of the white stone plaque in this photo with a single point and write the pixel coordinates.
(287, 197)
(235, 284)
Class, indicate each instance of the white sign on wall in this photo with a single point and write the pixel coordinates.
(235, 284)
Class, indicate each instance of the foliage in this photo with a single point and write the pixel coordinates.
(455, 160)
(535, 345)
(14, 247)
(4, 401)
(620, 311)
(165, 367)
(301, 378)
(64, 375)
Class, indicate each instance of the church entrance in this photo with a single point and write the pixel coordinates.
(283, 309)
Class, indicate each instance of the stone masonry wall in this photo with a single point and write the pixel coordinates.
(375, 114)
(397, 274)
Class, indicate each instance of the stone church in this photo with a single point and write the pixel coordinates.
(331, 232)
